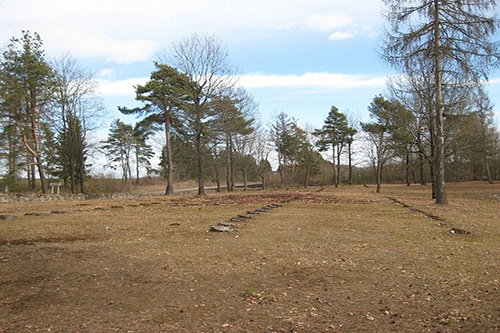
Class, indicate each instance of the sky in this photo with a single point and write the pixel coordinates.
(294, 56)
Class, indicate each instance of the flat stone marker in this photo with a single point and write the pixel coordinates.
(220, 228)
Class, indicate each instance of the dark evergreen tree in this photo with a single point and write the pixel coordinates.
(119, 148)
(164, 95)
(27, 79)
(334, 135)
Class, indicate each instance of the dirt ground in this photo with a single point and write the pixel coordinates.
(321, 260)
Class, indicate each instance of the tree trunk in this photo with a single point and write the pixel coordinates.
(36, 142)
(421, 164)
(379, 176)
(12, 156)
(129, 168)
(338, 166)
(232, 172)
(170, 164)
(31, 172)
(41, 173)
(199, 153)
(285, 171)
(72, 174)
(229, 166)
(137, 175)
(244, 173)
(488, 172)
(280, 168)
(217, 176)
(28, 173)
(440, 177)
(82, 176)
(379, 161)
(306, 177)
(334, 168)
(349, 153)
(263, 179)
(407, 168)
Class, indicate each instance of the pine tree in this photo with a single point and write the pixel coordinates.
(164, 95)
(27, 77)
(334, 135)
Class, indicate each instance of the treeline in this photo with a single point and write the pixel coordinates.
(47, 110)
(210, 127)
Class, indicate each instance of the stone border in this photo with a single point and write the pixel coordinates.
(228, 225)
(37, 197)
(442, 221)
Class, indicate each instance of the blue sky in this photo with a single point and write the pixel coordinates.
(299, 57)
(295, 56)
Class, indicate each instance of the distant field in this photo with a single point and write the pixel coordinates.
(322, 259)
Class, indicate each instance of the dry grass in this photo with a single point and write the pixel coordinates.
(337, 260)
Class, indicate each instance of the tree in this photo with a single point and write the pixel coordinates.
(119, 147)
(204, 60)
(11, 144)
(352, 130)
(464, 105)
(334, 135)
(218, 161)
(279, 134)
(401, 137)
(415, 91)
(383, 114)
(142, 150)
(183, 156)
(308, 157)
(234, 117)
(262, 151)
(28, 79)
(164, 95)
(75, 108)
(285, 135)
(451, 36)
(72, 150)
(245, 145)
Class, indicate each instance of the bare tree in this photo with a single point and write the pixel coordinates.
(451, 36)
(77, 108)
(262, 151)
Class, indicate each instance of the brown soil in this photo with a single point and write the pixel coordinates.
(339, 260)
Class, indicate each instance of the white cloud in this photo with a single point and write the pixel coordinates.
(120, 87)
(106, 72)
(126, 31)
(494, 81)
(349, 34)
(330, 81)
(90, 43)
(369, 31)
(342, 35)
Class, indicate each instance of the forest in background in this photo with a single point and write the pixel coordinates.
(210, 125)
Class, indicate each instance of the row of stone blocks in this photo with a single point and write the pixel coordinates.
(230, 224)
